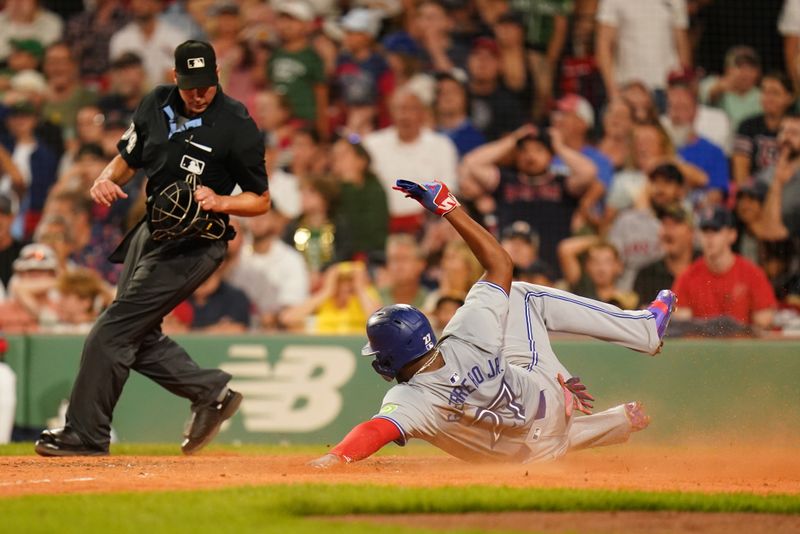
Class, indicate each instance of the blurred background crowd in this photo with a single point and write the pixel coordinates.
(615, 147)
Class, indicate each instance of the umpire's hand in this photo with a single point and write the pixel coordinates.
(208, 199)
(105, 192)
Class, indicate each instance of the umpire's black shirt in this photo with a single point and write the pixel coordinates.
(221, 147)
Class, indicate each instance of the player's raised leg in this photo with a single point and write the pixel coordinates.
(554, 310)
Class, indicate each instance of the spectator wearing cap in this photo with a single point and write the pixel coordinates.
(784, 175)
(573, 117)
(495, 109)
(25, 55)
(128, 85)
(402, 279)
(529, 190)
(635, 230)
(722, 283)
(642, 40)
(522, 244)
(758, 219)
(736, 92)
(9, 246)
(65, 95)
(676, 237)
(450, 107)
(37, 164)
(363, 77)
(35, 274)
(27, 19)
(31, 86)
(89, 34)
(362, 203)
(150, 37)
(404, 56)
(755, 147)
(680, 121)
(709, 122)
(294, 69)
(592, 268)
(410, 148)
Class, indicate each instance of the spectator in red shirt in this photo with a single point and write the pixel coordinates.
(722, 283)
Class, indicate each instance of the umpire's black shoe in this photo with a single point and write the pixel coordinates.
(64, 442)
(206, 421)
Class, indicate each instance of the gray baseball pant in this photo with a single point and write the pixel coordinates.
(534, 311)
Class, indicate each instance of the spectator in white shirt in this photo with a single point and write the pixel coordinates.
(151, 38)
(641, 40)
(272, 274)
(412, 151)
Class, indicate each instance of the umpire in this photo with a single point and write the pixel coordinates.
(195, 144)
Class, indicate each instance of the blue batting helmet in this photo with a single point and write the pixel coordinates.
(398, 335)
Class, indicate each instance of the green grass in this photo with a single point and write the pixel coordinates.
(285, 508)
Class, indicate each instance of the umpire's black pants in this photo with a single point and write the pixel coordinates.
(157, 276)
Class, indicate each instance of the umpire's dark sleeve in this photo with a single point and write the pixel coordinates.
(246, 159)
(131, 144)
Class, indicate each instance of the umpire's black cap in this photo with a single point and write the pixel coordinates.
(196, 65)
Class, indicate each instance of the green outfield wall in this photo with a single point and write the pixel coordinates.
(313, 389)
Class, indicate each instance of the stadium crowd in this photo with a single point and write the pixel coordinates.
(615, 147)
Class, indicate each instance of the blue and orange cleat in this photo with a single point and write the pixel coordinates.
(662, 308)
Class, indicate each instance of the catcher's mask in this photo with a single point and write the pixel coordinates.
(174, 213)
(398, 335)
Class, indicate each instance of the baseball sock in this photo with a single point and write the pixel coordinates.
(222, 394)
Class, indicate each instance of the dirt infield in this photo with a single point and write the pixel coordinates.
(704, 469)
(597, 522)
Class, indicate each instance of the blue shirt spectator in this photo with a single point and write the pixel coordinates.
(709, 157)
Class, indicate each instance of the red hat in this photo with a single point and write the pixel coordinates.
(485, 43)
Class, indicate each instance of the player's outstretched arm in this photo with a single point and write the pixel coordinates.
(363, 441)
(436, 198)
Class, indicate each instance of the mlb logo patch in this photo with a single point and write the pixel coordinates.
(196, 63)
(192, 165)
(455, 379)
